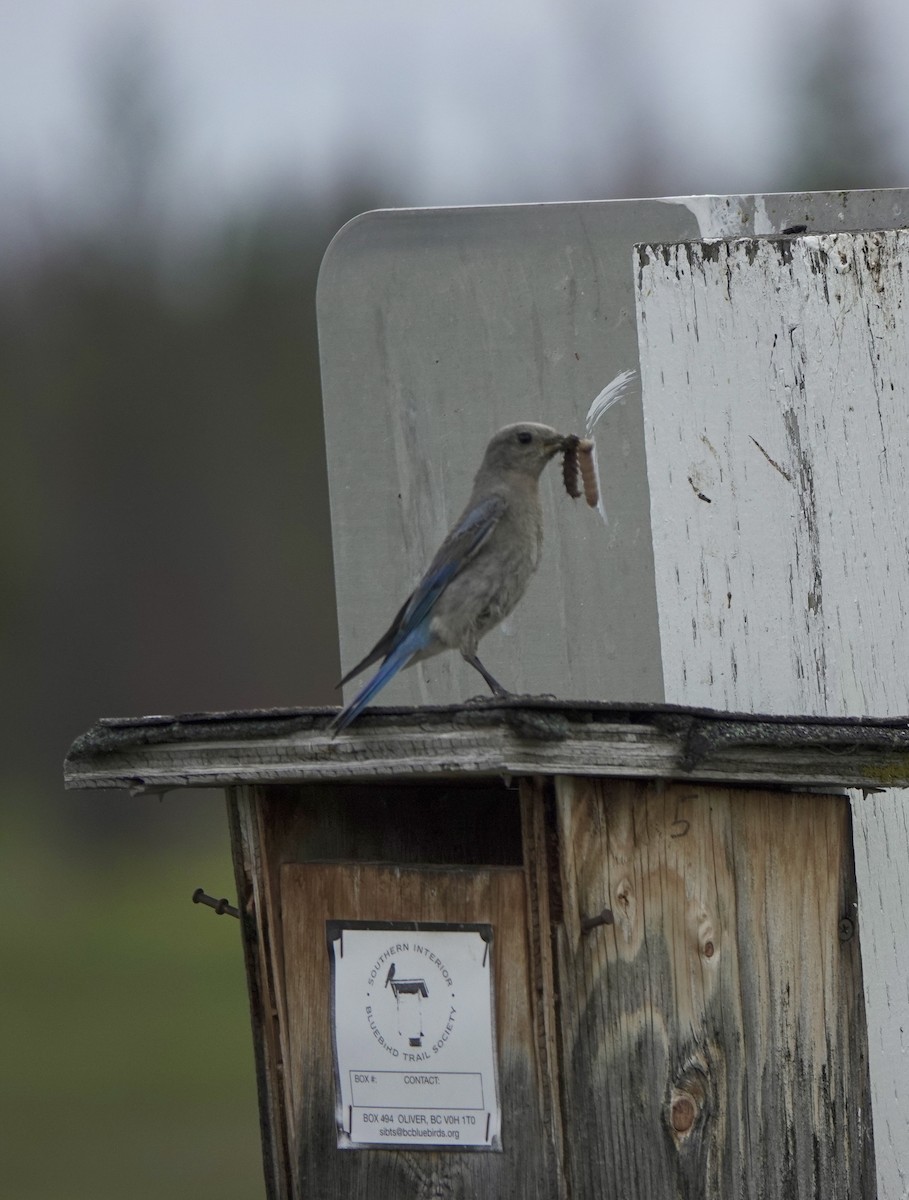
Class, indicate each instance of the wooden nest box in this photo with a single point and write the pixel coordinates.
(542, 950)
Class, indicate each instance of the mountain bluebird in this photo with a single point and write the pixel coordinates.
(481, 569)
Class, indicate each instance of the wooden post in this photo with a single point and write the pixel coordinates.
(676, 965)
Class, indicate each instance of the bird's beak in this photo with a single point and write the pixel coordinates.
(558, 442)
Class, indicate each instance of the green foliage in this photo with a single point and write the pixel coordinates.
(127, 1061)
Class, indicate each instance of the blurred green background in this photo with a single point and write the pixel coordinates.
(166, 548)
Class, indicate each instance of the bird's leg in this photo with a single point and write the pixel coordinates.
(494, 684)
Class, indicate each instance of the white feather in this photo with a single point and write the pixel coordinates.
(614, 391)
(611, 394)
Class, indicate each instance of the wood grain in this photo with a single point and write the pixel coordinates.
(713, 1037)
(314, 893)
(881, 825)
(543, 915)
(520, 739)
(263, 984)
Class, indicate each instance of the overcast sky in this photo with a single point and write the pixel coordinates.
(449, 101)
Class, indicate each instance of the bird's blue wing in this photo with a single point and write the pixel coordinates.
(462, 543)
(410, 632)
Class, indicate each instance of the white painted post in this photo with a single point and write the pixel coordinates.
(775, 377)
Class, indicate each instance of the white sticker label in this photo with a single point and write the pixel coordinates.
(414, 1039)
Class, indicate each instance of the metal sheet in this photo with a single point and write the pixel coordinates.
(438, 326)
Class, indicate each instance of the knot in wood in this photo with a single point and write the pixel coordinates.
(682, 1113)
(688, 1101)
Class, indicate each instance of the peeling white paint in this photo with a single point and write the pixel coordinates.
(775, 382)
(775, 406)
(728, 216)
(761, 221)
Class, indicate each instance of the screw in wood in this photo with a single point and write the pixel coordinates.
(602, 918)
(221, 906)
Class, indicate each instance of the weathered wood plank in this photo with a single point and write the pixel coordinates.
(713, 1037)
(314, 893)
(536, 739)
(543, 913)
(881, 825)
(267, 806)
(257, 935)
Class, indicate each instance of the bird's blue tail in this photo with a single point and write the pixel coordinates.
(399, 657)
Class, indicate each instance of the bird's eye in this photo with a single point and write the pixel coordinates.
(525, 437)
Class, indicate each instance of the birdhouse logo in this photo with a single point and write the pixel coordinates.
(411, 1003)
(408, 994)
